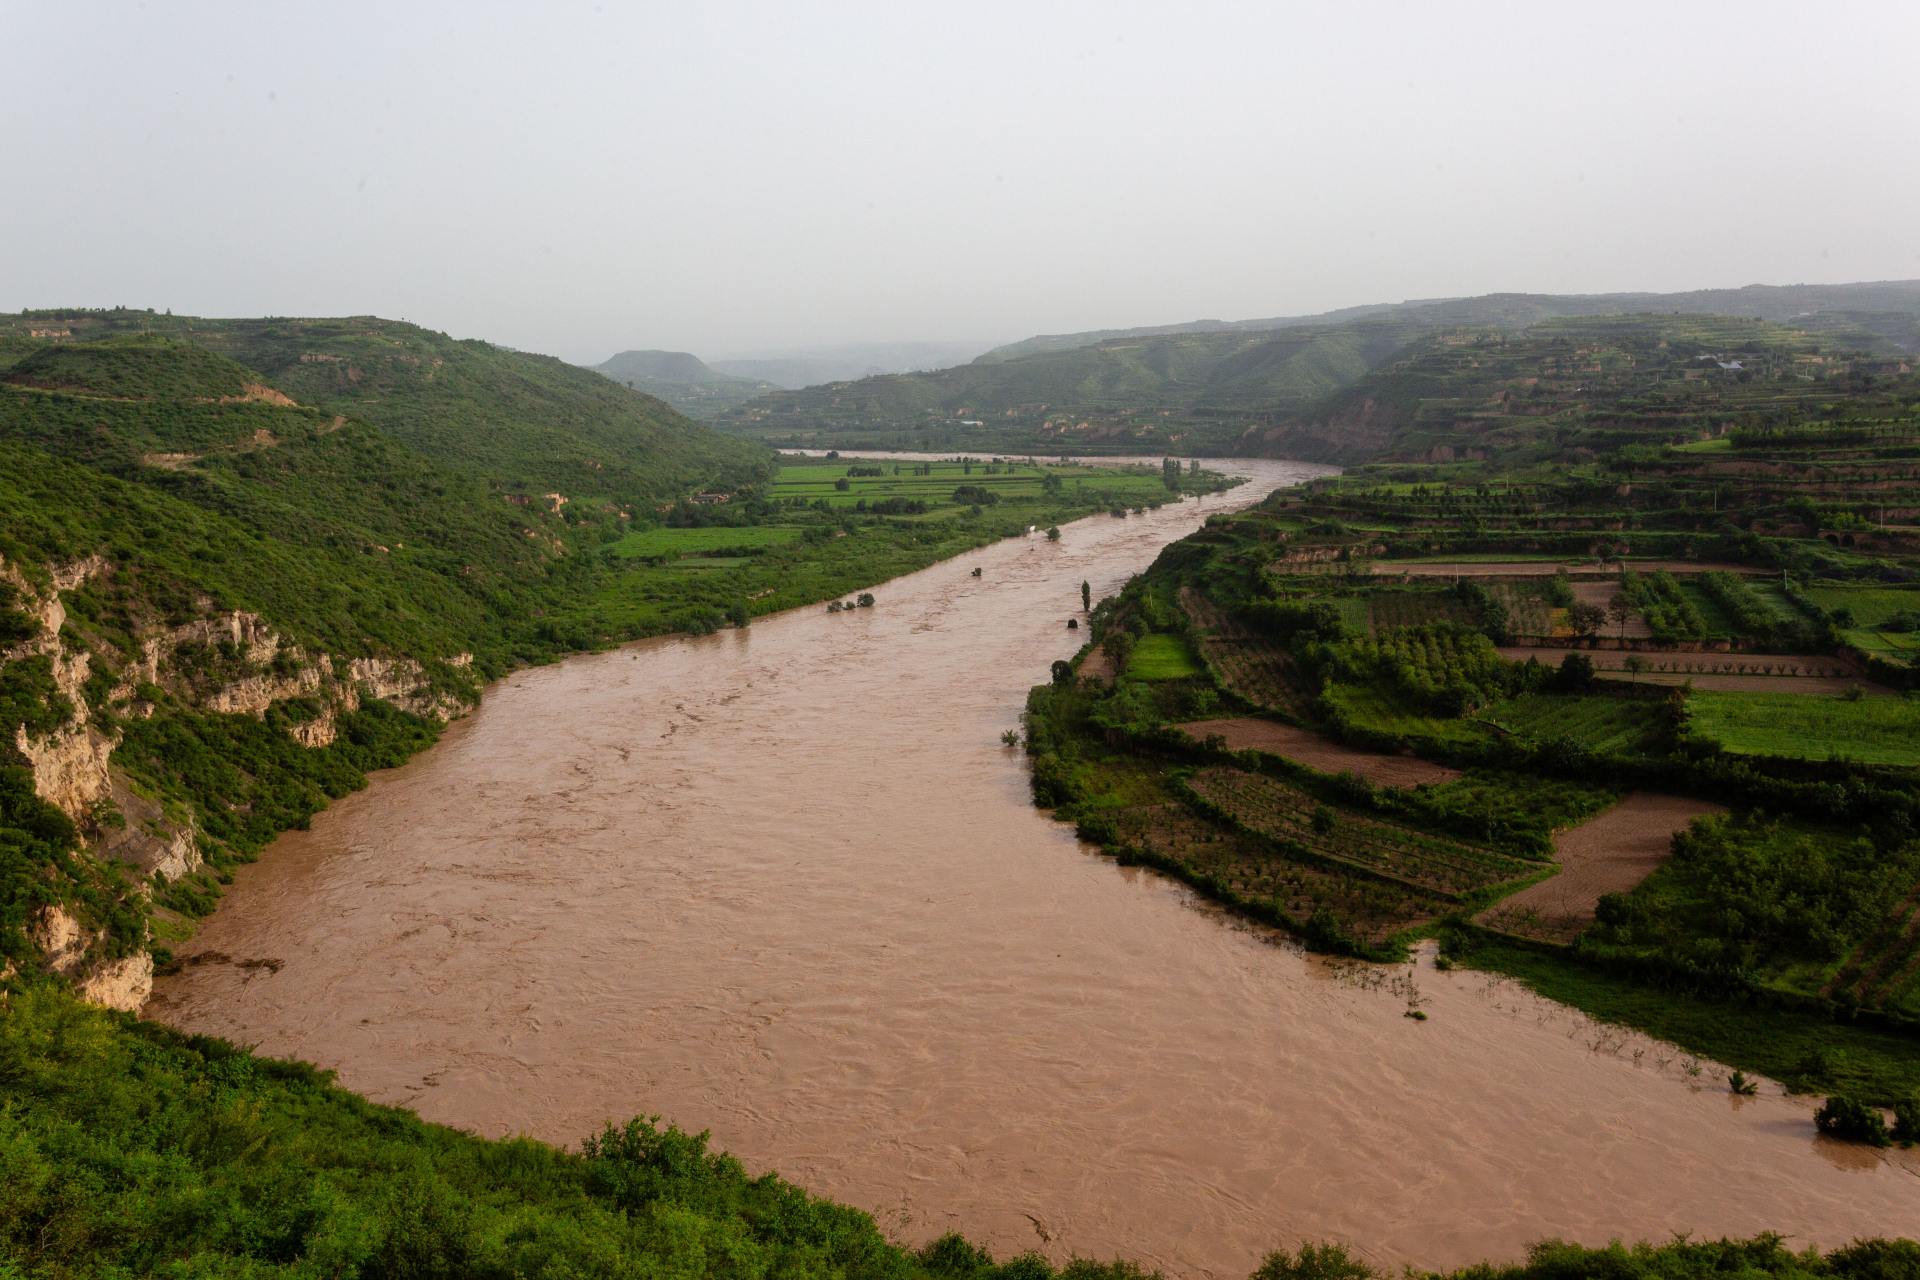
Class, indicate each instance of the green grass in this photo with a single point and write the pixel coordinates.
(1877, 729)
(682, 542)
(1010, 482)
(1380, 711)
(1871, 605)
(1869, 1064)
(1162, 657)
(1599, 722)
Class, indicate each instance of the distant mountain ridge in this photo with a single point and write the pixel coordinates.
(1200, 387)
(1754, 301)
(683, 380)
(792, 370)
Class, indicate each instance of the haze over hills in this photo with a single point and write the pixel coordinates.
(1757, 301)
(683, 380)
(1203, 387)
(811, 366)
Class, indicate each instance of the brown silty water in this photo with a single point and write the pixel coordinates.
(783, 883)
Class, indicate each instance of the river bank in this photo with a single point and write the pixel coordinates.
(784, 883)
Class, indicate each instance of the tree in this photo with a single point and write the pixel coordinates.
(1086, 596)
(1585, 619)
(865, 600)
(1636, 666)
(1053, 534)
(1620, 610)
(843, 484)
(1062, 672)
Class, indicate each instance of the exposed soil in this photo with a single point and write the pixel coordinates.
(1719, 671)
(1600, 593)
(1536, 568)
(1608, 854)
(1249, 733)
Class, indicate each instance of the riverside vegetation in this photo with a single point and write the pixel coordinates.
(132, 1150)
(247, 562)
(243, 563)
(1591, 558)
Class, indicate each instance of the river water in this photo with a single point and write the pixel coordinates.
(783, 883)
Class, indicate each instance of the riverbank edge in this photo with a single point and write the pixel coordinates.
(164, 961)
(1802, 1049)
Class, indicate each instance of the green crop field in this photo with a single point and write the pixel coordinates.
(1869, 730)
(686, 542)
(1871, 605)
(1162, 657)
(1379, 711)
(934, 483)
(1598, 722)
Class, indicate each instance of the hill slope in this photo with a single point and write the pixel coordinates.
(1890, 298)
(1478, 392)
(683, 380)
(529, 423)
(1182, 392)
(228, 593)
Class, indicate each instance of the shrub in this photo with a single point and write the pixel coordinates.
(1314, 1262)
(1850, 1121)
(1575, 674)
(1906, 1120)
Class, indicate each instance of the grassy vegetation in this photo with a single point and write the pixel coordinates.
(1162, 657)
(1794, 924)
(692, 542)
(132, 1150)
(1203, 388)
(1875, 729)
(1806, 1049)
(1604, 723)
(378, 494)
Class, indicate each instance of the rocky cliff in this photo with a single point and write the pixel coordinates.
(130, 845)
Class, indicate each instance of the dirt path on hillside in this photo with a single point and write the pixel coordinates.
(1731, 672)
(1536, 568)
(1608, 854)
(1249, 733)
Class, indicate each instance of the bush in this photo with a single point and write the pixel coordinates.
(1575, 674)
(1906, 1120)
(975, 495)
(1314, 1262)
(1850, 1121)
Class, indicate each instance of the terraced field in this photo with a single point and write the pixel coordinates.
(1371, 910)
(1249, 666)
(1282, 813)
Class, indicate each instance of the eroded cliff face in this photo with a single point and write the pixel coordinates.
(228, 663)
(70, 951)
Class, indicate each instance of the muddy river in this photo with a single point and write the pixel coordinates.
(785, 884)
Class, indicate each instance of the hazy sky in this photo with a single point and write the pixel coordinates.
(727, 179)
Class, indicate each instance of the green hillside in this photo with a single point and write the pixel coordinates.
(1189, 393)
(684, 381)
(1667, 557)
(225, 597)
(529, 423)
(1569, 383)
(1891, 305)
